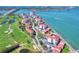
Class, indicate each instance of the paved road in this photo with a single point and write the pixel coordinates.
(37, 40)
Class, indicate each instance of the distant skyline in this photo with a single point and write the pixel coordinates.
(38, 6)
(41, 7)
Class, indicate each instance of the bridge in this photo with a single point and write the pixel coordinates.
(9, 12)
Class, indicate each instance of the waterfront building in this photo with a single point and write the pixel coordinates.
(37, 19)
(46, 30)
(42, 26)
(29, 30)
(53, 39)
(56, 49)
(61, 44)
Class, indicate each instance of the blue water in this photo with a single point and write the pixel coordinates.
(65, 22)
(2, 12)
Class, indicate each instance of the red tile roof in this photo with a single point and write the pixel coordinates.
(26, 20)
(37, 19)
(29, 30)
(46, 30)
(42, 25)
(61, 44)
(54, 37)
(56, 49)
(41, 21)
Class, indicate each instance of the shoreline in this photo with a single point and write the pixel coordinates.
(72, 50)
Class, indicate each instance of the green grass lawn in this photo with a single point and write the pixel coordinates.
(65, 49)
(16, 36)
(5, 39)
